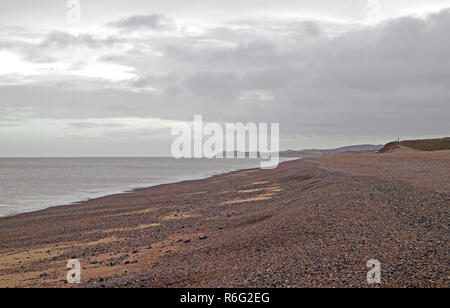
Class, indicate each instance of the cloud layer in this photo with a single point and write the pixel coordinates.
(326, 83)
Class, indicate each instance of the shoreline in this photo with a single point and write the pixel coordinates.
(132, 189)
(232, 230)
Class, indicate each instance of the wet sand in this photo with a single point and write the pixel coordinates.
(309, 223)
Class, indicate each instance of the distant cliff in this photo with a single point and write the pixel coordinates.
(311, 152)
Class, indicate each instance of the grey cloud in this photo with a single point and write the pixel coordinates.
(255, 52)
(147, 133)
(312, 28)
(389, 78)
(83, 125)
(381, 81)
(271, 78)
(155, 22)
(61, 39)
(173, 90)
(89, 125)
(152, 80)
(77, 66)
(401, 53)
(50, 46)
(215, 85)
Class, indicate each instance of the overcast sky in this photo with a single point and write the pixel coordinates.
(332, 73)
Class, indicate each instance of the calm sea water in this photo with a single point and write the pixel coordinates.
(30, 184)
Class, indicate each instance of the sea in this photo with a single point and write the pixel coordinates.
(31, 184)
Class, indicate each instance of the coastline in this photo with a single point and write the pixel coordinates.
(71, 199)
(232, 230)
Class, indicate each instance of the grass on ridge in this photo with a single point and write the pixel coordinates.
(422, 145)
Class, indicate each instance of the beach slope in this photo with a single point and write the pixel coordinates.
(309, 223)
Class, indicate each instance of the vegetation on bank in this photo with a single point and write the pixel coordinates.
(421, 145)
